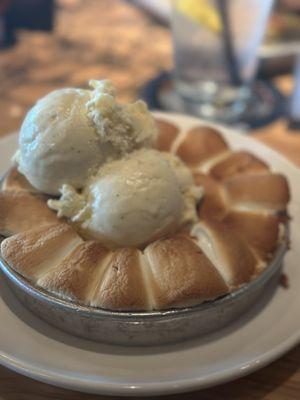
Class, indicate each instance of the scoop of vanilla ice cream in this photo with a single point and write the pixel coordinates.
(69, 133)
(58, 143)
(132, 201)
(183, 174)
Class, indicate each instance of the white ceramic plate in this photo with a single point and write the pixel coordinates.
(33, 348)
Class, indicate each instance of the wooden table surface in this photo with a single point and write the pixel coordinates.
(94, 40)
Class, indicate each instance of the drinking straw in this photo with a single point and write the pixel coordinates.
(229, 52)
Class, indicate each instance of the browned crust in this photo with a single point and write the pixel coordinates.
(182, 273)
(260, 231)
(200, 144)
(37, 250)
(122, 287)
(21, 211)
(212, 205)
(14, 180)
(234, 251)
(266, 189)
(167, 133)
(74, 276)
(240, 162)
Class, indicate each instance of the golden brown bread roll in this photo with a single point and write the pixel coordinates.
(182, 274)
(13, 180)
(200, 144)
(227, 251)
(167, 133)
(261, 231)
(76, 276)
(213, 204)
(240, 162)
(33, 253)
(20, 211)
(258, 191)
(122, 286)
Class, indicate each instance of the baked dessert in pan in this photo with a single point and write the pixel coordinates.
(242, 216)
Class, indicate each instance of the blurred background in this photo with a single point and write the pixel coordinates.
(47, 44)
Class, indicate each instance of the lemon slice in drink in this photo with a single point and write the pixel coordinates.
(200, 11)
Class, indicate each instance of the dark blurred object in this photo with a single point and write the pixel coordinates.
(24, 14)
(270, 67)
(282, 41)
(284, 25)
(268, 103)
(294, 103)
(292, 5)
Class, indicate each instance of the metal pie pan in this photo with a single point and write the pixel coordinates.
(142, 328)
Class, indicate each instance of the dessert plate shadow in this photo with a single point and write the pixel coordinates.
(49, 355)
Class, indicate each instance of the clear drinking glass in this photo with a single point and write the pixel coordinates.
(216, 44)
